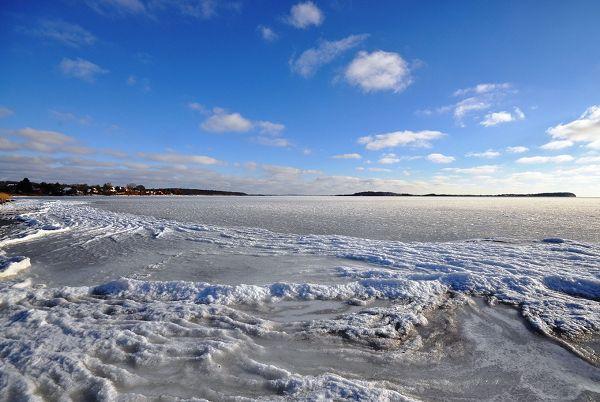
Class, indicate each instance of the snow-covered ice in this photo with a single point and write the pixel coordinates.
(120, 339)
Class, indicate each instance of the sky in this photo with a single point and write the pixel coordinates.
(303, 97)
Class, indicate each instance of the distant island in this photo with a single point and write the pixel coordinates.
(27, 187)
(390, 194)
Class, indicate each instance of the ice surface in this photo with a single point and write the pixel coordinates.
(12, 266)
(121, 337)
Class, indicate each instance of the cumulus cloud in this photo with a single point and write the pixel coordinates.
(223, 122)
(400, 138)
(583, 179)
(545, 159)
(347, 156)
(558, 144)
(81, 69)
(5, 112)
(466, 106)
(64, 32)
(312, 59)
(493, 119)
(304, 15)
(489, 154)
(267, 127)
(584, 129)
(267, 33)
(519, 149)
(378, 71)
(440, 158)
(475, 100)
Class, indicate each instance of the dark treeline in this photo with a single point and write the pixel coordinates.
(27, 187)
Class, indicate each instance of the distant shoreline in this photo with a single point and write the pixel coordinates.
(27, 188)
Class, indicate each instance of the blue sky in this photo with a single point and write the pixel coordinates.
(303, 97)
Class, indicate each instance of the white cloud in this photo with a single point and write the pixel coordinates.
(519, 115)
(46, 137)
(389, 159)
(77, 149)
(582, 179)
(377, 169)
(5, 112)
(440, 158)
(267, 33)
(64, 32)
(44, 141)
(589, 159)
(142, 83)
(519, 149)
(199, 9)
(131, 80)
(284, 171)
(559, 144)
(303, 15)
(545, 159)
(312, 59)
(476, 99)
(176, 158)
(476, 171)
(493, 119)
(489, 154)
(82, 69)
(197, 107)
(273, 141)
(379, 71)
(483, 88)
(8, 145)
(267, 127)
(118, 7)
(347, 156)
(66, 117)
(400, 138)
(223, 122)
(465, 106)
(584, 129)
